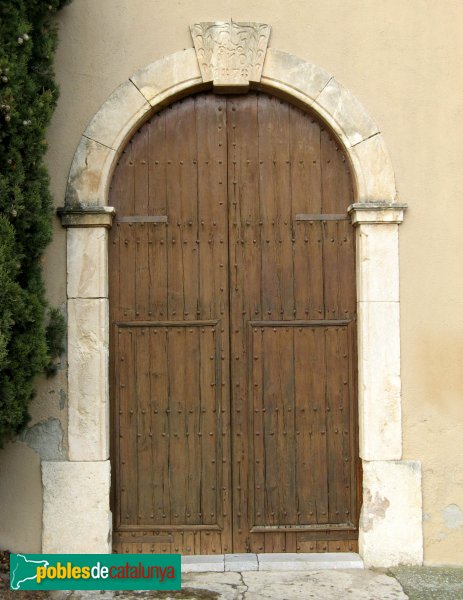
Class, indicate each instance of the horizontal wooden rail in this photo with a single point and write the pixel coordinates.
(142, 219)
(326, 217)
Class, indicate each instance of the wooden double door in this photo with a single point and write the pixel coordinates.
(232, 310)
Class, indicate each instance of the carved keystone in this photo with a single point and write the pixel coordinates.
(231, 55)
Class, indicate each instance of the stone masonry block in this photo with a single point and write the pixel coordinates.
(378, 263)
(76, 515)
(391, 519)
(87, 262)
(379, 381)
(88, 428)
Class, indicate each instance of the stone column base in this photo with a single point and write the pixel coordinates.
(76, 515)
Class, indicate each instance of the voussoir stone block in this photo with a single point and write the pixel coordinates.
(116, 118)
(87, 262)
(89, 174)
(168, 76)
(373, 169)
(343, 107)
(291, 74)
(76, 515)
(380, 429)
(88, 427)
(391, 518)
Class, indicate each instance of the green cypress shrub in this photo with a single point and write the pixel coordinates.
(28, 96)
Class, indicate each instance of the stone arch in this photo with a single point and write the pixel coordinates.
(166, 79)
(390, 534)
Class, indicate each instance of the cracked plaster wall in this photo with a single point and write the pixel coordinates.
(403, 61)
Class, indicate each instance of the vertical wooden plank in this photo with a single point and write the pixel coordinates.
(143, 426)
(190, 431)
(258, 431)
(122, 185)
(322, 546)
(257, 450)
(127, 298)
(128, 427)
(330, 269)
(157, 164)
(189, 210)
(306, 546)
(304, 393)
(116, 423)
(139, 230)
(334, 390)
(306, 180)
(210, 542)
(285, 481)
(157, 271)
(140, 148)
(212, 204)
(211, 128)
(270, 382)
(179, 384)
(346, 270)
(278, 386)
(159, 385)
(114, 283)
(274, 164)
(190, 543)
(114, 273)
(245, 296)
(124, 199)
(142, 271)
(157, 205)
(337, 190)
(306, 199)
(209, 452)
(319, 374)
(336, 196)
(352, 434)
(174, 190)
(338, 546)
(275, 542)
(291, 542)
(347, 429)
(245, 211)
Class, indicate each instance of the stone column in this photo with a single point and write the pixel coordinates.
(391, 518)
(76, 515)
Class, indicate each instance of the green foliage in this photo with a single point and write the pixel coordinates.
(28, 96)
(55, 335)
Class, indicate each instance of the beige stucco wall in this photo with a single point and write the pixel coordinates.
(403, 61)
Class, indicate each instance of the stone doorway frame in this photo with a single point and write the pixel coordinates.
(76, 514)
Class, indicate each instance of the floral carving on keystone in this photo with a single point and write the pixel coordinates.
(231, 55)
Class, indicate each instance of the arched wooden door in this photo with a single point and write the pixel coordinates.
(232, 310)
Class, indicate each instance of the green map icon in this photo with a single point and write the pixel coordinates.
(23, 569)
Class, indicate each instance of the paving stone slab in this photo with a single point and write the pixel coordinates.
(241, 562)
(306, 562)
(203, 564)
(358, 584)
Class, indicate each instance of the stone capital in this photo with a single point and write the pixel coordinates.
(86, 216)
(231, 55)
(376, 212)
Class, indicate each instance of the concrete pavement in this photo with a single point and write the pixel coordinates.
(329, 576)
(339, 584)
